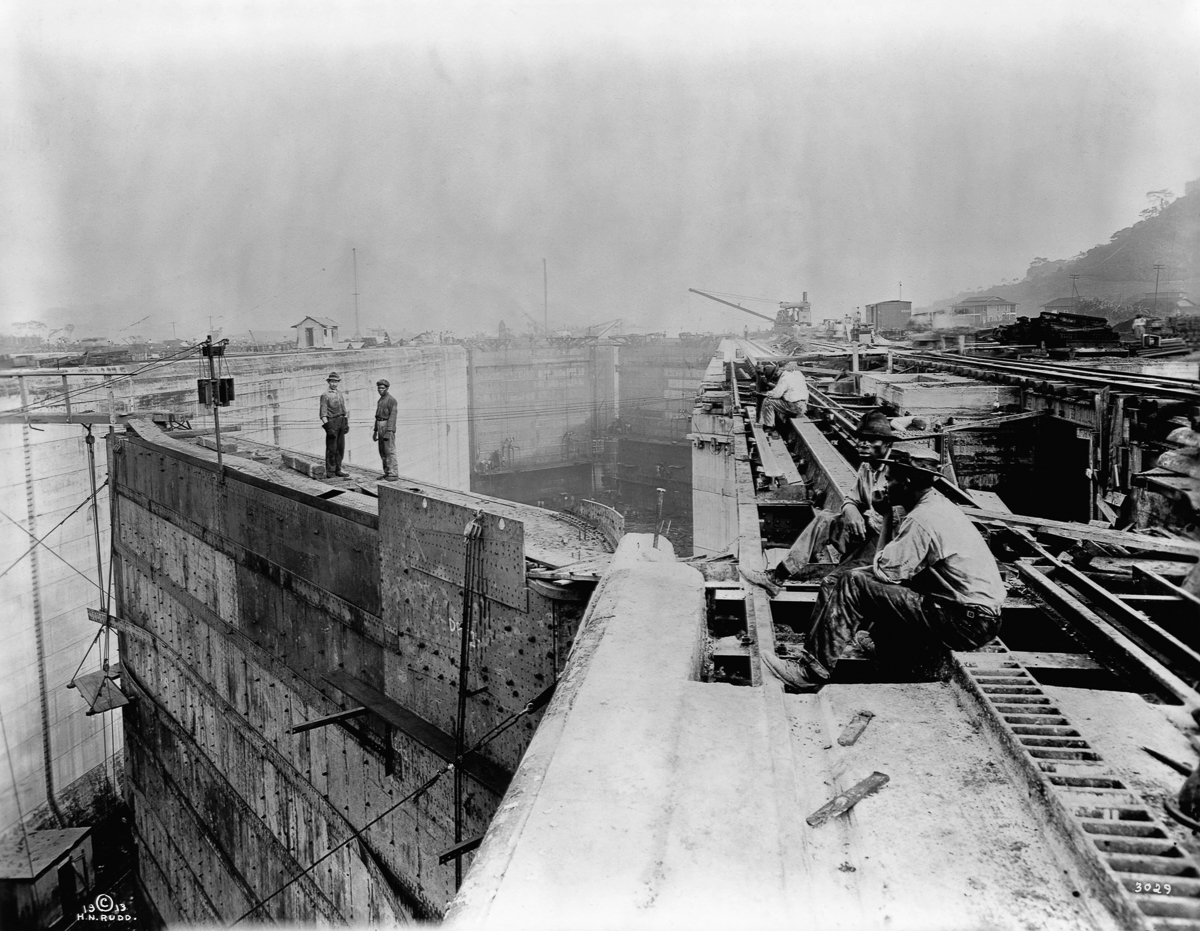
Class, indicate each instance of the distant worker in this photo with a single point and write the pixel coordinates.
(385, 430)
(335, 418)
(789, 396)
(935, 585)
(1139, 326)
(854, 529)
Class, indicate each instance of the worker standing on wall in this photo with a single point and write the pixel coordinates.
(854, 530)
(385, 430)
(335, 418)
(789, 396)
(936, 583)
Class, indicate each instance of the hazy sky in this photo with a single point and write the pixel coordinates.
(176, 161)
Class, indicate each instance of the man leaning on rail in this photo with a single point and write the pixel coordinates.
(935, 583)
(854, 530)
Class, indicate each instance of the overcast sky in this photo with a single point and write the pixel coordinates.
(176, 161)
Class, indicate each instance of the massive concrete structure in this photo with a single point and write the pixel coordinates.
(252, 603)
(55, 748)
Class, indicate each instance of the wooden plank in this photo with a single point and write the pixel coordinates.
(1160, 584)
(1087, 532)
(766, 455)
(854, 729)
(989, 500)
(1038, 660)
(848, 799)
(839, 474)
(428, 735)
(789, 474)
(1168, 568)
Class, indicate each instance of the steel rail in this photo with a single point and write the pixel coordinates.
(1100, 378)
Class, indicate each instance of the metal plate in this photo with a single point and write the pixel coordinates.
(427, 534)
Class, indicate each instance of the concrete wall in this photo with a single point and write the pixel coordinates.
(538, 404)
(44, 595)
(249, 607)
(714, 489)
(276, 402)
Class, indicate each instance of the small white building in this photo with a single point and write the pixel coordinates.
(316, 333)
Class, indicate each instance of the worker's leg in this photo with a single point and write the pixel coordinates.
(340, 450)
(387, 450)
(812, 539)
(331, 457)
(774, 409)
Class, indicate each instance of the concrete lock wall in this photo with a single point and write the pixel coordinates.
(276, 402)
(44, 594)
(247, 608)
(533, 405)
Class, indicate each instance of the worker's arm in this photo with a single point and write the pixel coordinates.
(324, 410)
(905, 556)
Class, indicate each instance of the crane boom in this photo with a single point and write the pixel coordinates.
(712, 297)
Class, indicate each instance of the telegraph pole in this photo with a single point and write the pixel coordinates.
(1158, 267)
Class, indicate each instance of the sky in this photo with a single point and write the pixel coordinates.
(168, 168)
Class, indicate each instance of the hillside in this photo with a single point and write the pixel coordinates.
(1121, 270)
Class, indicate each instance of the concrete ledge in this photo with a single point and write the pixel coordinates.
(313, 468)
(588, 810)
(209, 442)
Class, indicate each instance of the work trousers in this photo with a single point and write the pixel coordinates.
(829, 528)
(335, 444)
(773, 407)
(904, 624)
(387, 452)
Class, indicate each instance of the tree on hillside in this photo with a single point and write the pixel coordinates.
(1158, 200)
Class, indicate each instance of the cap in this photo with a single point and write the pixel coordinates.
(384, 382)
(875, 426)
(334, 376)
(917, 459)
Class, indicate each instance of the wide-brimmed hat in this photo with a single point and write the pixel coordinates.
(334, 376)
(920, 459)
(875, 426)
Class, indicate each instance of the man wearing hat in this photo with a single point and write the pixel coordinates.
(789, 396)
(335, 418)
(936, 583)
(854, 530)
(385, 429)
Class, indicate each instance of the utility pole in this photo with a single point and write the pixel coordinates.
(1158, 267)
(209, 350)
(1075, 289)
(354, 256)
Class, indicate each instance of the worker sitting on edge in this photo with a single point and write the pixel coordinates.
(789, 396)
(854, 530)
(935, 583)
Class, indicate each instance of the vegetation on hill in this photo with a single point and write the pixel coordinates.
(1115, 276)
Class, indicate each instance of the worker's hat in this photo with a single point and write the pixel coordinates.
(875, 426)
(384, 382)
(334, 376)
(916, 459)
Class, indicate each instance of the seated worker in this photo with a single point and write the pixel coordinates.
(789, 396)
(935, 583)
(854, 530)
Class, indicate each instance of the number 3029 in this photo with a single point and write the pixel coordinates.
(1157, 888)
